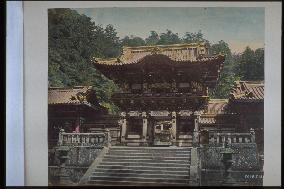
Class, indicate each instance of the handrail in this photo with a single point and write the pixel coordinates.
(166, 94)
(84, 139)
(220, 138)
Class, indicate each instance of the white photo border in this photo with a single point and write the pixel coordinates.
(36, 81)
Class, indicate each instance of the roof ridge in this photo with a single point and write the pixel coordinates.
(115, 61)
(169, 45)
(70, 88)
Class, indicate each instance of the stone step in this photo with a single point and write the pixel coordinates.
(178, 154)
(131, 183)
(139, 171)
(154, 160)
(144, 175)
(149, 150)
(163, 164)
(147, 157)
(151, 147)
(141, 167)
(153, 179)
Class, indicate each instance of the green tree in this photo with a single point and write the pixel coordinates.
(153, 38)
(259, 56)
(190, 37)
(227, 76)
(133, 41)
(251, 64)
(72, 42)
(169, 38)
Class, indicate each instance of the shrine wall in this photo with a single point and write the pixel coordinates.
(80, 158)
(246, 167)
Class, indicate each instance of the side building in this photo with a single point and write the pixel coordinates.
(76, 110)
(247, 101)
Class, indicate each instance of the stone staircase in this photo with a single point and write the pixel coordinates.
(151, 166)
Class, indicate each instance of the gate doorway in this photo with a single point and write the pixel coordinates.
(163, 134)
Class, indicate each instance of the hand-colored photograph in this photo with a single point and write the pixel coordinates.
(156, 96)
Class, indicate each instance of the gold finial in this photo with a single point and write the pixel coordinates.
(155, 50)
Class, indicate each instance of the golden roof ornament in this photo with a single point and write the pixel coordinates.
(81, 97)
(156, 50)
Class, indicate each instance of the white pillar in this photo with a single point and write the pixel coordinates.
(60, 138)
(145, 124)
(123, 126)
(229, 139)
(196, 129)
(174, 125)
(218, 138)
(252, 132)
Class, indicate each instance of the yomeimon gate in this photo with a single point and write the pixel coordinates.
(165, 90)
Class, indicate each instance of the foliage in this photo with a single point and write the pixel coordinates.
(190, 37)
(133, 41)
(227, 76)
(251, 64)
(153, 38)
(168, 38)
(73, 40)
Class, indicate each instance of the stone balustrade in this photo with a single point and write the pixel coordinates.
(84, 139)
(151, 95)
(221, 138)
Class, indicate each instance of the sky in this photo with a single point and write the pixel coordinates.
(238, 26)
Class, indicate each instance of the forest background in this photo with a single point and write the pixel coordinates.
(73, 39)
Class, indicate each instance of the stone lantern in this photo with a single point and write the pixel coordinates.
(227, 160)
(63, 157)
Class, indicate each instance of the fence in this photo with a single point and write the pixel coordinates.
(84, 139)
(220, 138)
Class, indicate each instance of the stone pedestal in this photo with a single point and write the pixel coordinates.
(64, 178)
(194, 167)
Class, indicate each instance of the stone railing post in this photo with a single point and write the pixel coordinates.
(88, 139)
(195, 167)
(235, 139)
(218, 137)
(107, 138)
(252, 132)
(196, 129)
(60, 137)
(229, 138)
(123, 126)
(145, 125)
(174, 126)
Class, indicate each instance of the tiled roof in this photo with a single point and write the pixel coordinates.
(176, 53)
(215, 108)
(248, 91)
(76, 95)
